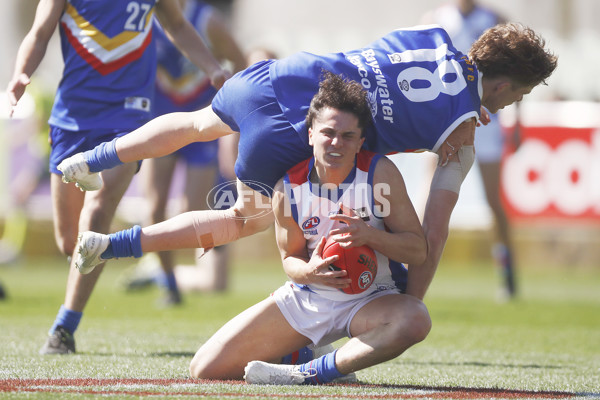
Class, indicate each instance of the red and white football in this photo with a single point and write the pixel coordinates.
(360, 263)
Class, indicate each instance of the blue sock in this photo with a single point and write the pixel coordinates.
(168, 281)
(126, 243)
(68, 319)
(104, 156)
(301, 356)
(323, 369)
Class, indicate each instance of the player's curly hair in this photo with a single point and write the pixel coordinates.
(514, 51)
(343, 94)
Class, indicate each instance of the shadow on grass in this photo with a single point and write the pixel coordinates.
(463, 392)
(174, 354)
(486, 364)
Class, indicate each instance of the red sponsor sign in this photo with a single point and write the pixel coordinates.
(555, 173)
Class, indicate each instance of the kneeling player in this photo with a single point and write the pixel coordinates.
(357, 198)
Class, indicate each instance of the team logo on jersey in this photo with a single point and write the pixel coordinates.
(395, 58)
(309, 226)
(372, 99)
(403, 85)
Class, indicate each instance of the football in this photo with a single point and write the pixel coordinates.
(360, 263)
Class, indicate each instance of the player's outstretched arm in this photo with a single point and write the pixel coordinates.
(223, 44)
(435, 224)
(33, 48)
(443, 196)
(181, 32)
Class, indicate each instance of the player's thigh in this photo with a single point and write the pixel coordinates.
(67, 201)
(400, 310)
(261, 332)
(209, 125)
(99, 206)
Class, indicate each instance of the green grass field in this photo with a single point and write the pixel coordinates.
(546, 344)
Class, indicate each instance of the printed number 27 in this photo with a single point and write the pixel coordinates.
(137, 16)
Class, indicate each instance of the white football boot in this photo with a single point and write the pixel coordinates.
(90, 245)
(75, 169)
(262, 373)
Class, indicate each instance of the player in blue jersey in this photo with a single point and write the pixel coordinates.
(465, 21)
(106, 91)
(182, 87)
(424, 95)
(382, 322)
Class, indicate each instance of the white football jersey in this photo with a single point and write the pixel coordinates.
(312, 205)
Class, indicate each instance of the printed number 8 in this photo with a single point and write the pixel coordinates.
(436, 84)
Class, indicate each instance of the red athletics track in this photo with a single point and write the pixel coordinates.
(119, 387)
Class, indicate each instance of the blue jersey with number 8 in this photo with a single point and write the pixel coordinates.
(419, 86)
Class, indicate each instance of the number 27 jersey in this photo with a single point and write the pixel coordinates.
(420, 88)
(110, 64)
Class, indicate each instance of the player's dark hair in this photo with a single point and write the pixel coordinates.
(343, 94)
(514, 51)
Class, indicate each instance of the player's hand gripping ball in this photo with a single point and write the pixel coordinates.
(360, 263)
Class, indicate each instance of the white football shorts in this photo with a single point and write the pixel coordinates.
(489, 141)
(320, 319)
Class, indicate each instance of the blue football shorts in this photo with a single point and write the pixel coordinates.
(269, 146)
(65, 143)
(200, 154)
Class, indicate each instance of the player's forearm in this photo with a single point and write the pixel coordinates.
(193, 47)
(421, 275)
(34, 44)
(296, 269)
(29, 56)
(405, 247)
(436, 227)
(159, 137)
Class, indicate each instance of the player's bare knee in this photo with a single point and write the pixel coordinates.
(412, 325)
(203, 367)
(99, 221)
(195, 369)
(199, 365)
(252, 222)
(237, 218)
(420, 322)
(66, 247)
